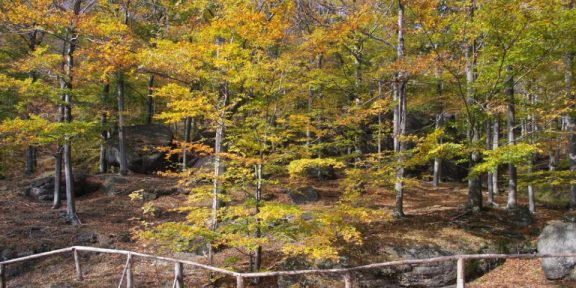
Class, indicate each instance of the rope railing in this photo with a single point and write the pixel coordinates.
(241, 277)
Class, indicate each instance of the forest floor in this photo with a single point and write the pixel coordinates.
(434, 215)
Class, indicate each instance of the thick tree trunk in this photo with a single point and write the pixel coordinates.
(70, 202)
(400, 123)
(512, 173)
(150, 100)
(29, 165)
(121, 123)
(57, 177)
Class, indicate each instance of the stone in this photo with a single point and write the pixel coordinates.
(558, 238)
(520, 217)
(304, 195)
(141, 143)
(43, 188)
(429, 275)
(87, 239)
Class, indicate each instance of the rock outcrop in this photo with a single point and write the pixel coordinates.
(42, 188)
(558, 238)
(141, 146)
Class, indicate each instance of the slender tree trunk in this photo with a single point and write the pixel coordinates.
(104, 137)
(379, 140)
(218, 165)
(474, 182)
(258, 233)
(568, 77)
(490, 177)
(309, 109)
(150, 100)
(495, 144)
(530, 128)
(400, 123)
(121, 123)
(187, 131)
(512, 173)
(437, 169)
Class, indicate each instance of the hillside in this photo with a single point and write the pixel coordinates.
(435, 217)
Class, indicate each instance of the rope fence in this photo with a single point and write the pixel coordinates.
(241, 278)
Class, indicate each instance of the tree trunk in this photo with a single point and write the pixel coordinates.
(489, 178)
(495, 144)
(258, 233)
(218, 165)
(512, 173)
(437, 169)
(400, 123)
(474, 182)
(29, 165)
(150, 100)
(187, 131)
(104, 137)
(70, 203)
(568, 62)
(121, 123)
(57, 177)
(379, 140)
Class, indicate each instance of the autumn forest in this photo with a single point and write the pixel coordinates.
(269, 135)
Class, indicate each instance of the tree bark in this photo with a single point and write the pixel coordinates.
(512, 173)
(150, 100)
(104, 137)
(568, 76)
(400, 123)
(121, 123)
(57, 177)
(70, 202)
(474, 182)
(495, 144)
(437, 169)
(489, 178)
(187, 131)
(218, 165)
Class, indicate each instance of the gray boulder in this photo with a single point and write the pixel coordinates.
(558, 238)
(304, 195)
(520, 217)
(43, 188)
(430, 275)
(141, 143)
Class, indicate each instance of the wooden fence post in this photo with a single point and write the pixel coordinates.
(460, 274)
(78, 267)
(347, 280)
(178, 275)
(129, 283)
(239, 281)
(2, 276)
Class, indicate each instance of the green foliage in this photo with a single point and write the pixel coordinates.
(518, 154)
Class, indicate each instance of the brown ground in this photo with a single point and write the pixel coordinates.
(434, 215)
